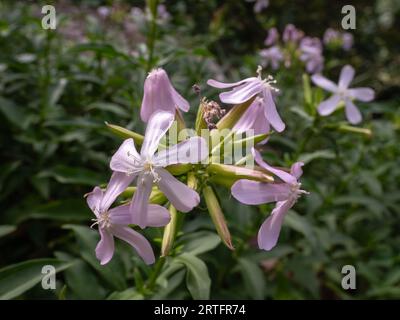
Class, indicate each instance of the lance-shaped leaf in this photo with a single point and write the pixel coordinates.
(217, 216)
(200, 123)
(125, 133)
(236, 172)
(179, 168)
(351, 129)
(156, 196)
(170, 231)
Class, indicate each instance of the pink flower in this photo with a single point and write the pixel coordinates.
(148, 168)
(159, 94)
(292, 34)
(114, 222)
(248, 88)
(311, 54)
(347, 41)
(253, 118)
(272, 56)
(342, 92)
(259, 5)
(272, 37)
(285, 194)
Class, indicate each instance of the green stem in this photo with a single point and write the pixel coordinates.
(154, 275)
(152, 34)
(311, 131)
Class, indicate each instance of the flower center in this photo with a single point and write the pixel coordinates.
(296, 192)
(103, 220)
(269, 81)
(148, 168)
(342, 92)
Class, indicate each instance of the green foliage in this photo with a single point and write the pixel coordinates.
(59, 87)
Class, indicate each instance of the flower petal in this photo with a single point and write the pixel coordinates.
(329, 105)
(269, 231)
(119, 181)
(247, 120)
(352, 112)
(193, 150)
(157, 127)
(180, 102)
(158, 216)
(105, 247)
(243, 92)
(222, 85)
(362, 94)
(126, 158)
(324, 83)
(271, 113)
(137, 241)
(346, 76)
(255, 193)
(286, 177)
(296, 170)
(182, 197)
(93, 200)
(139, 204)
(159, 94)
(121, 215)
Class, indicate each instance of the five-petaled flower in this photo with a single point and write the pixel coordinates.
(248, 88)
(114, 222)
(285, 194)
(159, 94)
(342, 92)
(148, 167)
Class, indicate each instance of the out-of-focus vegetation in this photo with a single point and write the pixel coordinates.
(58, 87)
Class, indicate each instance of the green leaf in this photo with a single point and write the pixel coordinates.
(320, 154)
(20, 277)
(62, 210)
(5, 229)
(198, 281)
(71, 175)
(13, 113)
(81, 280)
(200, 242)
(253, 278)
(109, 107)
(125, 133)
(57, 91)
(128, 294)
(302, 225)
(113, 272)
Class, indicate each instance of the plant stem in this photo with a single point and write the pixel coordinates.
(156, 271)
(151, 39)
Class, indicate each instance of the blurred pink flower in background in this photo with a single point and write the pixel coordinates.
(342, 93)
(311, 54)
(271, 56)
(292, 34)
(272, 37)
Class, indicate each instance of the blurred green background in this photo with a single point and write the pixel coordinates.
(58, 87)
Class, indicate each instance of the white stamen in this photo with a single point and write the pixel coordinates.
(268, 81)
(103, 220)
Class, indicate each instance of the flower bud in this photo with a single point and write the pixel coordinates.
(217, 216)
